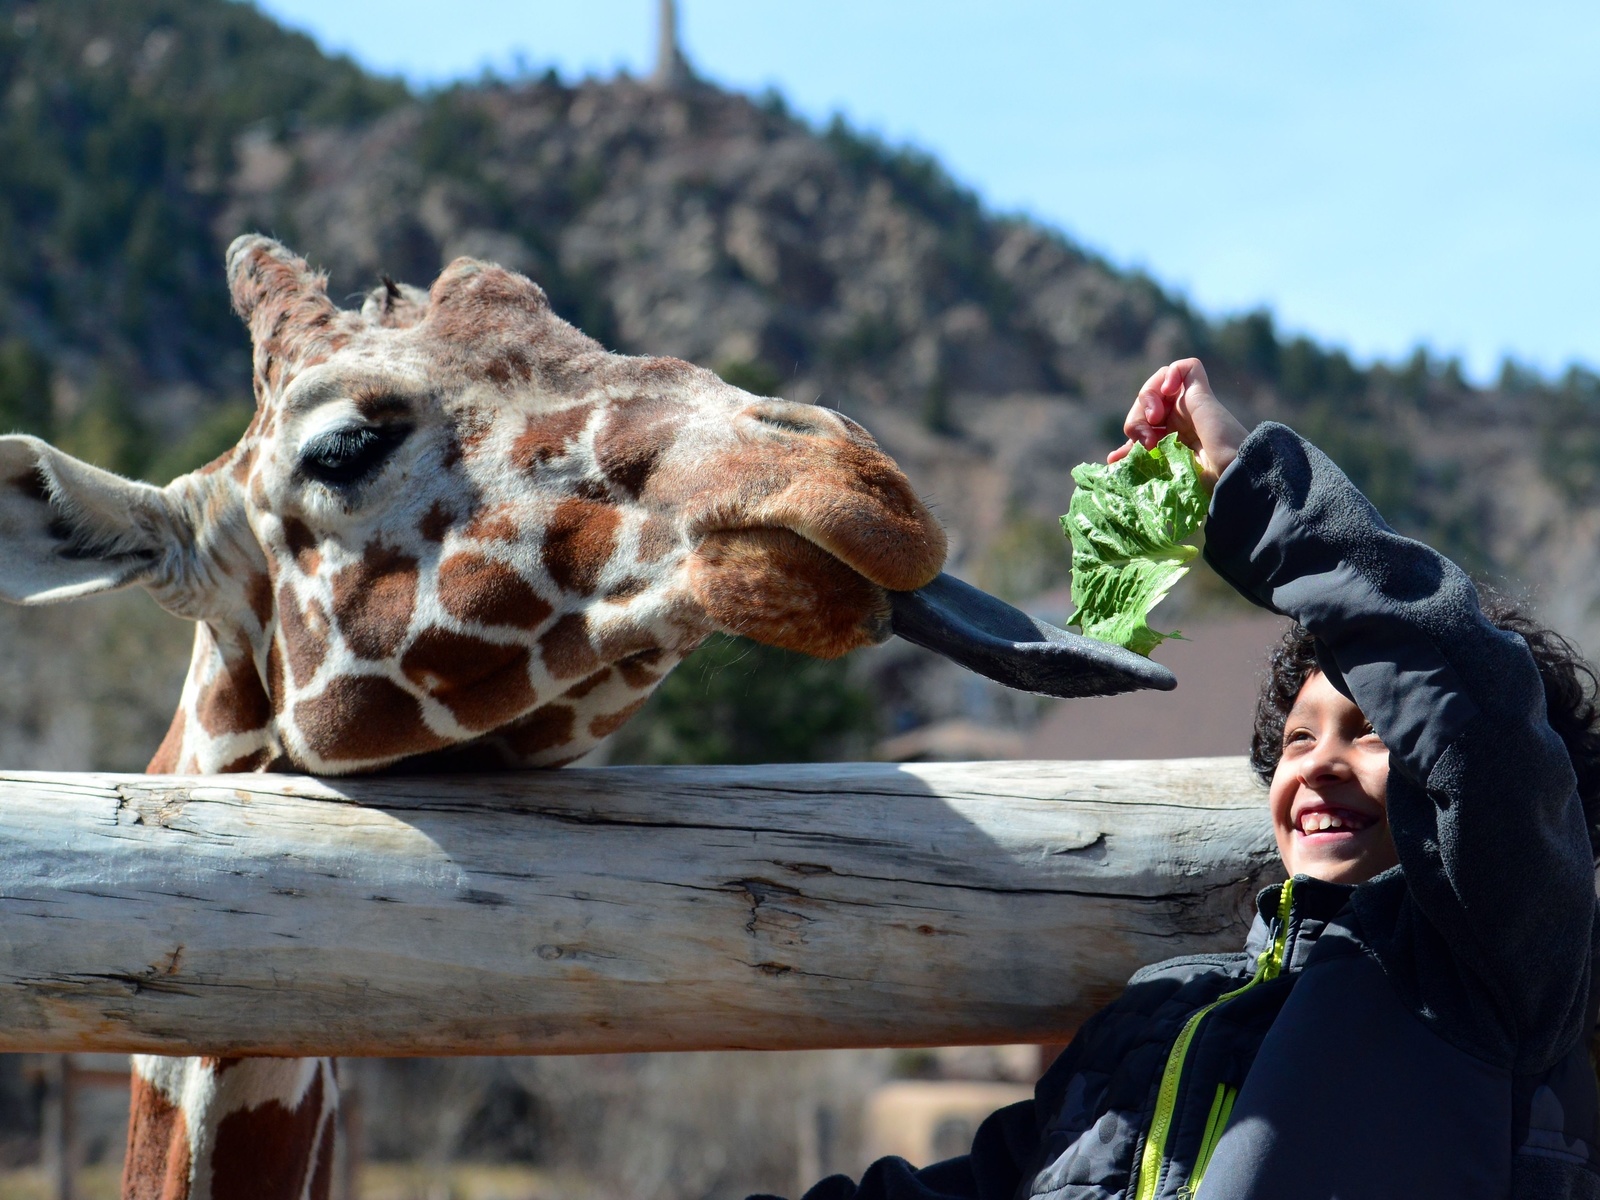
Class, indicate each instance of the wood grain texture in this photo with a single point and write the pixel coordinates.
(772, 907)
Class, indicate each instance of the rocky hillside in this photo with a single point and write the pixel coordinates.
(989, 354)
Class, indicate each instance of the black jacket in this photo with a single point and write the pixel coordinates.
(1419, 1035)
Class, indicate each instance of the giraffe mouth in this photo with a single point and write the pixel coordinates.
(988, 636)
(777, 587)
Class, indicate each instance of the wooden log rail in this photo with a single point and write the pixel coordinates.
(774, 907)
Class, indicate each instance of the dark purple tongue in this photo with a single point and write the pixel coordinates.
(990, 637)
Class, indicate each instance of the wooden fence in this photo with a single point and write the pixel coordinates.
(773, 907)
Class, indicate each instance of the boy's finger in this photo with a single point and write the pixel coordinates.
(1149, 404)
(1193, 375)
(1120, 453)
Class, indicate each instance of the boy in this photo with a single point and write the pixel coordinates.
(1409, 1017)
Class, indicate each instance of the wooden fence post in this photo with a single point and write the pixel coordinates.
(60, 1127)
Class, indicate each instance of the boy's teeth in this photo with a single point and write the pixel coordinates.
(1320, 822)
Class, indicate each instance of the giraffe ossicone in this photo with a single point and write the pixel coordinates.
(460, 534)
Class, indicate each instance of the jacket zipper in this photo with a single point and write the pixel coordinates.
(1269, 963)
(1216, 1122)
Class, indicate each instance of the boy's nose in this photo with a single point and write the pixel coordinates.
(1329, 762)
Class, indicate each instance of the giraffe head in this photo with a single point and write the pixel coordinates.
(459, 532)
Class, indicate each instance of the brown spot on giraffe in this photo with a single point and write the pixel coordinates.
(543, 729)
(512, 365)
(157, 1163)
(592, 489)
(605, 726)
(258, 1144)
(584, 686)
(256, 760)
(302, 545)
(626, 589)
(277, 684)
(216, 464)
(373, 601)
(497, 524)
(306, 640)
(236, 701)
(168, 754)
(615, 642)
(470, 431)
(566, 648)
(578, 542)
(258, 595)
(436, 522)
(479, 589)
(639, 670)
(483, 684)
(548, 436)
(322, 1177)
(657, 537)
(631, 442)
(362, 718)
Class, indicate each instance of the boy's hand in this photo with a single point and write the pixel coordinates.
(1178, 399)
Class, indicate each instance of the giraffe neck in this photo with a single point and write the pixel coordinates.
(220, 1128)
(224, 723)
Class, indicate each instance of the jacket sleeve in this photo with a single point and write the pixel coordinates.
(1005, 1142)
(1487, 927)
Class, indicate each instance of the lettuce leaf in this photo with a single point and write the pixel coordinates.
(1127, 522)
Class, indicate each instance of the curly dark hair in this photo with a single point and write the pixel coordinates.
(1571, 690)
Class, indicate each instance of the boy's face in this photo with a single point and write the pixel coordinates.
(1328, 793)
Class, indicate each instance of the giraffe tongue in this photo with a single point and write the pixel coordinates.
(990, 637)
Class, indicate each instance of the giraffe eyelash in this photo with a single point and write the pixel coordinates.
(345, 456)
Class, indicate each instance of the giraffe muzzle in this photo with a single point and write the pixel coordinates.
(988, 636)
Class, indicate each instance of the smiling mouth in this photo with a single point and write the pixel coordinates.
(1330, 823)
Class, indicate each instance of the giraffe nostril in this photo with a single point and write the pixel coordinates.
(793, 418)
(785, 423)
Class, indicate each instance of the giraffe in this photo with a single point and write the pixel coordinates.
(458, 534)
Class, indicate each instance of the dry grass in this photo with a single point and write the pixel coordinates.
(379, 1181)
(466, 1181)
(33, 1183)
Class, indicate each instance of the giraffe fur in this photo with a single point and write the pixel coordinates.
(458, 534)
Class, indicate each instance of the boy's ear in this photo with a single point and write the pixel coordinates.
(68, 529)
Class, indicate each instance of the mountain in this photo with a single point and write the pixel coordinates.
(987, 352)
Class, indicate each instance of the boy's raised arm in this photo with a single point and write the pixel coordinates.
(1493, 918)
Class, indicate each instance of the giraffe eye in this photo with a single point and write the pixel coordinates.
(341, 457)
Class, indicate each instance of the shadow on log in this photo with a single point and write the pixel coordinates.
(650, 908)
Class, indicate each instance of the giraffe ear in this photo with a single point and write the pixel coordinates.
(272, 287)
(68, 529)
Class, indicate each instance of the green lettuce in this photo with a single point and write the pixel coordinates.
(1127, 522)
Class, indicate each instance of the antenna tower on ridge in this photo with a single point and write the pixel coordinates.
(672, 68)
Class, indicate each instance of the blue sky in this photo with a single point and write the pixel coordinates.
(1380, 175)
